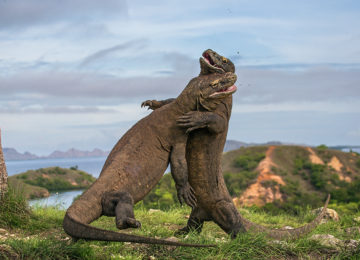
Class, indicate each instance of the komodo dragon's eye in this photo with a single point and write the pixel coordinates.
(224, 60)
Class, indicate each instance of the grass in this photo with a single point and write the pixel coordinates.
(14, 209)
(41, 236)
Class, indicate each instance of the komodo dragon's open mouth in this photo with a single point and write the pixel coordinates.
(224, 91)
(207, 57)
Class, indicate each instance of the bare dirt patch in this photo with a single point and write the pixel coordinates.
(313, 157)
(337, 166)
(258, 193)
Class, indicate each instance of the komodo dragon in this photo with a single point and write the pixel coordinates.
(203, 155)
(138, 161)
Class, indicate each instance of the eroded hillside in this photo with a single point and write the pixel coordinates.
(291, 174)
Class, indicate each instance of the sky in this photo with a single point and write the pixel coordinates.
(73, 73)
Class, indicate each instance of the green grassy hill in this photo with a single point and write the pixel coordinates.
(39, 183)
(291, 175)
(280, 177)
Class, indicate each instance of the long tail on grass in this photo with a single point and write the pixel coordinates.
(286, 233)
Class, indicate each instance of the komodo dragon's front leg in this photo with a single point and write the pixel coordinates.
(195, 119)
(155, 104)
(179, 172)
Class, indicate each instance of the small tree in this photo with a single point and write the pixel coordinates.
(3, 173)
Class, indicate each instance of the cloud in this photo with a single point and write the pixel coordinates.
(36, 109)
(71, 85)
(255, 86)
(23, 14)
(88, 85)
(258, 86)
(134, 44)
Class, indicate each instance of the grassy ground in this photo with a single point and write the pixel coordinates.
(40, 236)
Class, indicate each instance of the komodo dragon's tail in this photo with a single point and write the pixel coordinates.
(79, 230)
(286, 233)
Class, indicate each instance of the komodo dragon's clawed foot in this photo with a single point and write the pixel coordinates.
(121, 205)
(195, 222)
(238, 228)
(188, 229)
(127, 223)
(192, 120)
(151, 104)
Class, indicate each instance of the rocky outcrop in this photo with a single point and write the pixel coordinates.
(330, 241)
(3, 172)
(329, 215)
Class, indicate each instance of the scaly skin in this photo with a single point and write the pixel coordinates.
(136, 164)
(207, 136)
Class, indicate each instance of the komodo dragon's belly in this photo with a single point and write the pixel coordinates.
(203, 156)
(136, 164)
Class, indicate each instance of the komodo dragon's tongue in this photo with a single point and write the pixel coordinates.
(226, 91)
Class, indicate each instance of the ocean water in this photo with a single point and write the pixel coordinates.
(63, 200)
(92, 165)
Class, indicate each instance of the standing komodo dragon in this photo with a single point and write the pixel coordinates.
(203, 155)
(138, 161)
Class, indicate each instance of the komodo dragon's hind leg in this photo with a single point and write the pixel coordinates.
(195, 222)
(227, 217)
(121, 205)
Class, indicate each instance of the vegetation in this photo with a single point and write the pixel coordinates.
(248, 161)
(322, 177)
(322, 147)
(41, 236)
(14, 209)
(38, 183)
(163, 196)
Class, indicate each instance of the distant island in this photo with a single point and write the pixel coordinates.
(11, 154)
(39, 183)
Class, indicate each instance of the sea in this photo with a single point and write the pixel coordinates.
(62, 200)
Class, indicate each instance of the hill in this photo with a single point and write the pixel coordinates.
(280, 176)
(291, 175)
(11, 154)
(39, 183)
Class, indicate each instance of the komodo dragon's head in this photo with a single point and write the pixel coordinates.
(207, 91)
(212, 62)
